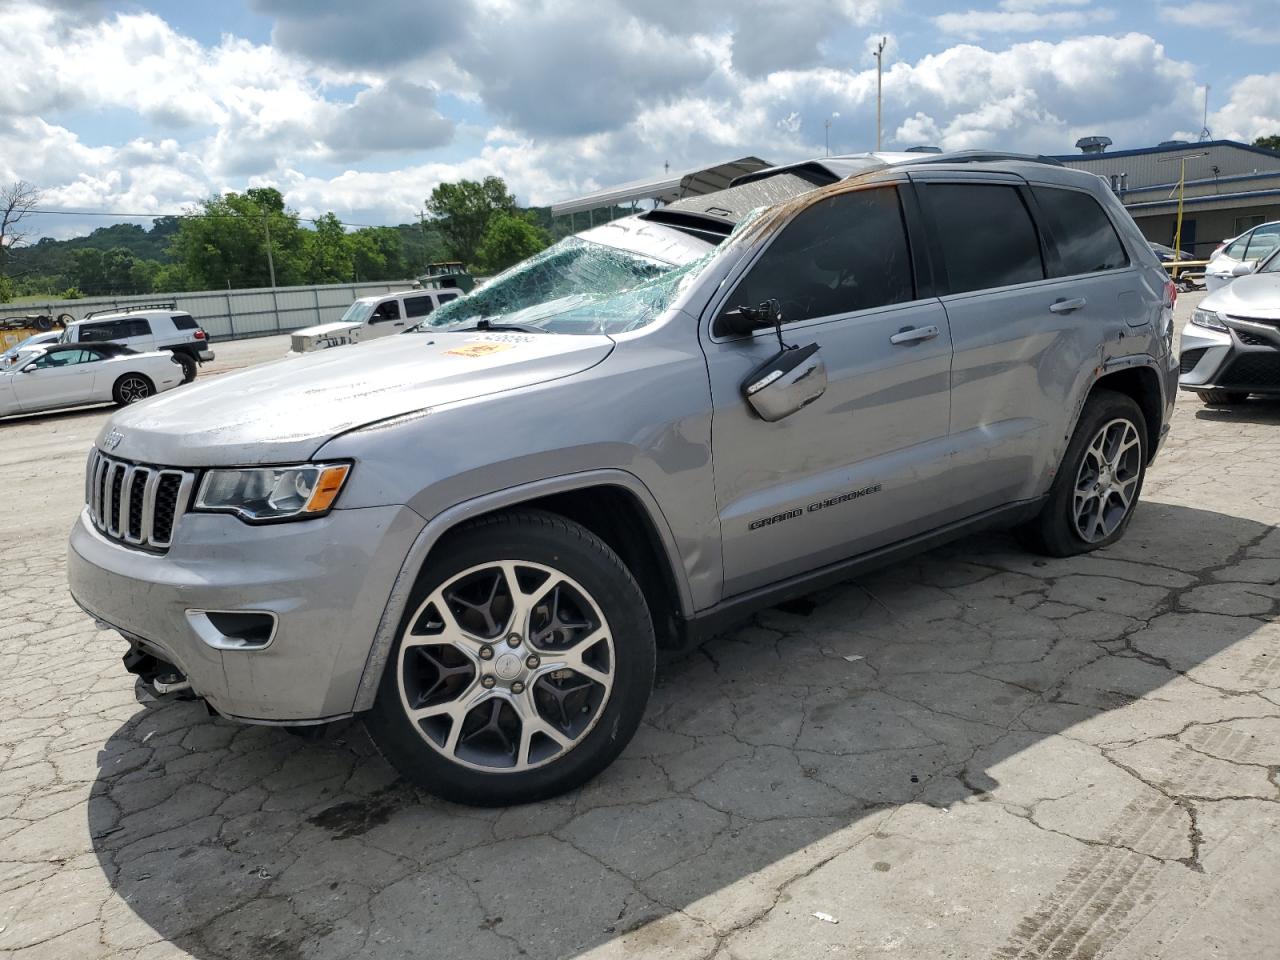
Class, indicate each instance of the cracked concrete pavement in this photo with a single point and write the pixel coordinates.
(980, 753)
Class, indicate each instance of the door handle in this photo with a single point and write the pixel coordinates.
(912, 335)
(1067, 306)
(401, 324)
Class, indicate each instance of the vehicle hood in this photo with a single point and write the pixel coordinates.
(284, 411)
(1253, 295)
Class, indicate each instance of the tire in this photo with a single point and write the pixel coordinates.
(43, 323)
(132, 387)
(1222, 398)
(1076, 518)
(188, 364)
(528, 726)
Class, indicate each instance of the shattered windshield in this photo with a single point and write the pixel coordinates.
(574, 286)
(358, 312)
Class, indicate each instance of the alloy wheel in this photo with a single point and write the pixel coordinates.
(506, 667)
(1107, 482)
(133, 389)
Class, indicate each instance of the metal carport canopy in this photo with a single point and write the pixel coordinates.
(663, 189)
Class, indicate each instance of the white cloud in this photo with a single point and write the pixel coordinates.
(1023, 16)
(1253, 21)
(1252, 110)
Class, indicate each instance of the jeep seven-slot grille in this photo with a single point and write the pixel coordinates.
(136, 503)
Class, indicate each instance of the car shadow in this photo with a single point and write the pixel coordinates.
(1254, 410)
(925, 685)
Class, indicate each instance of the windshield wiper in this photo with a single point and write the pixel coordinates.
(484, 324)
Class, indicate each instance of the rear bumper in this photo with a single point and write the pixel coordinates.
(325, 582)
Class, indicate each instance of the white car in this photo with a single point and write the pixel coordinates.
(35, 340)
(71, 375)
(372, 317)
(1248, 248)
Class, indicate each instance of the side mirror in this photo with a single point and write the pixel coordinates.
(1244, 268)
(788, 381)
(744, 321)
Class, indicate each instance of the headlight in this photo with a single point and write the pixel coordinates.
(260, 494)
(1206, 318)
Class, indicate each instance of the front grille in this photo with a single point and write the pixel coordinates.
(1253, 340)
(1187, 362)
(1260, 370)
(136, 503)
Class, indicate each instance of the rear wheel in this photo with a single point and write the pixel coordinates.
(1098, 484)
(131, 388)
(188, 365)
(1222, 398)
(522, 667)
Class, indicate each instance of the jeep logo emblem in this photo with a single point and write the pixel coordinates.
(112, 439)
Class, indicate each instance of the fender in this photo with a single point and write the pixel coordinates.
(1109, 366)
(442, 523)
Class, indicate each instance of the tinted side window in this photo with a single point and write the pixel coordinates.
(97, 332)
(417, 306)
(842, 254)
(1086, 240)
(986, 235)
(184, 321)
(446, 297)
(135, 328)
(1262, 241)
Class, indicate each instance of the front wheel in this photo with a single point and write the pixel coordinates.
(131, 388)
(522, 667)
(1099, 481)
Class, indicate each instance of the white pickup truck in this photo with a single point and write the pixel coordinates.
(372, 317)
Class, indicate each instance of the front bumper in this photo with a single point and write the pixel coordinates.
(325, 582)
(1244, 358)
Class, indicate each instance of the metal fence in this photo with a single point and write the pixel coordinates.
(260, 312)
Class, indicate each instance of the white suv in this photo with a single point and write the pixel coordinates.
(153, 326)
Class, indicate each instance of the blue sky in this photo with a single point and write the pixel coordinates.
(363, 108)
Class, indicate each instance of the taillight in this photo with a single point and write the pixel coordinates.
(199, 334)
(1170, 294)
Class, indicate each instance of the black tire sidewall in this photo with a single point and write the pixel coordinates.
(189, 367)
(1055, 530)
(539, 538)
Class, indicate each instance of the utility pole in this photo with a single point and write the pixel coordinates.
(1205, 133)
(880, 88)
(271, 263)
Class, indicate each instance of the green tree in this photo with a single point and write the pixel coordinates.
(508, 239)
(224, 241)
(329, 252)
(1269, 143)
(462, 212)
(171, 278)
(7, 291)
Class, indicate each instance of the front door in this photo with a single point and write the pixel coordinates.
(863, 465)
(58, 379)
(386, 319)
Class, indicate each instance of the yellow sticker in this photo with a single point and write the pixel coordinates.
(479, 349)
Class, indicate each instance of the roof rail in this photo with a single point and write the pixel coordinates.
(133, 308)
(985, 156)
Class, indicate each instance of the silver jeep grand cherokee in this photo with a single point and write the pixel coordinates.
(475, 534)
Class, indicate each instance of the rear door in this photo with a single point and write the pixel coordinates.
(864, 464)
(1025, 326)
(417, 308)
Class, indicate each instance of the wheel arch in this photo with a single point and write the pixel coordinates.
(613, 504)
(1140, 382)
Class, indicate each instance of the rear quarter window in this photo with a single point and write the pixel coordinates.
(184, 321)
(1086, 239)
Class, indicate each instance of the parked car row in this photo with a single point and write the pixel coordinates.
(1237, 256)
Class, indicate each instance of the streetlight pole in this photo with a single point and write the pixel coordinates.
(880, 88)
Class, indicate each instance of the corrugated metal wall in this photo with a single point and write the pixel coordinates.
(233, 313)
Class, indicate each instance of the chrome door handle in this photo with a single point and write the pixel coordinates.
(914, 335)
(1066, 306)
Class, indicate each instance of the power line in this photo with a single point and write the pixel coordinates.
(211, 216)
